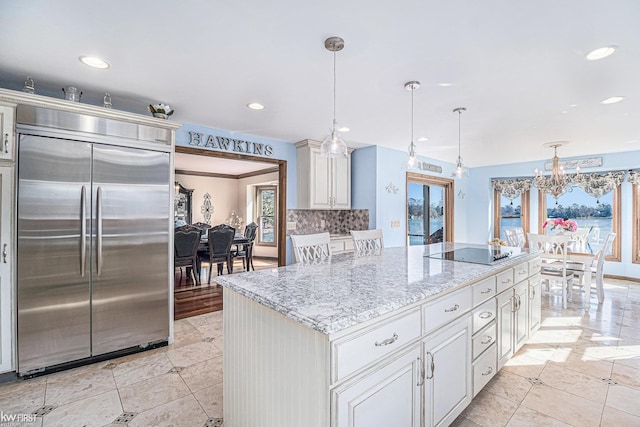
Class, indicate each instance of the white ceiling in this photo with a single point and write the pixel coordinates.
(518, 67)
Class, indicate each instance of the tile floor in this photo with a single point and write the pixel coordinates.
(581, 369)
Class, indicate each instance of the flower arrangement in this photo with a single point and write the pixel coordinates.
(498, 242)
(561, 224)
(160, 110)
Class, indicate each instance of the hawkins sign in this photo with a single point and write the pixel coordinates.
(228, 144)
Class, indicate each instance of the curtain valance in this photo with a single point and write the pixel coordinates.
(599, 184)
(634, 177)
(511, 188)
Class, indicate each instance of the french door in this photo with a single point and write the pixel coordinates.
(429, 209)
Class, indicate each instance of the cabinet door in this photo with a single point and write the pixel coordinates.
(521, 315)
(448, 381)
(505, 326)
(320, 181)
(7, 132)
(341, 183)
(535, 304)
(6, 260)
(388, 395)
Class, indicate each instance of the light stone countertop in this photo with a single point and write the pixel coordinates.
(349, 289)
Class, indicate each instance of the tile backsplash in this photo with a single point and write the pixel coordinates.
(333, 221)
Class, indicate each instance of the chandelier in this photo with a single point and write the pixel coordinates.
(411, 160)
(333, 146)
(559, 182)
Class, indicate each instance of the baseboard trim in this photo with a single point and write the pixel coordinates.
(630, 279)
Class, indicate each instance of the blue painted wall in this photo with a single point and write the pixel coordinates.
(480, 219)
(374, 169)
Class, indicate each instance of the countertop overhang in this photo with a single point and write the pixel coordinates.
(348, 289)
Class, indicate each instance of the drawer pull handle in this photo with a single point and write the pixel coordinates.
(506, 281)
(450, 309)
(489, 371)
(6, 143)
(4, 253)
(486, 315)
(488, 339)
(522, 272)
(388, 341)
(486, 291)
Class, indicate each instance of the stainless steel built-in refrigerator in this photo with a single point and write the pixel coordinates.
(93, 235)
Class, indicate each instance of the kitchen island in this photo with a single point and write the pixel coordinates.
(397, 338)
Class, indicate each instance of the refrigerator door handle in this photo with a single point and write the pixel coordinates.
(83, 230)
(99, 221)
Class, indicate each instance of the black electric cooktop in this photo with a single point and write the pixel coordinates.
(474, 255)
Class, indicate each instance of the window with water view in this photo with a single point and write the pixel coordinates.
(266, 215)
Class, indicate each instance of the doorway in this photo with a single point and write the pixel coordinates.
(429, 209)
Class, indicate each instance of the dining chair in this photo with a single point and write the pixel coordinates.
(367, 241)
(219, 245)
(245, 250)
(597, 268)
(554, 257)
(578, 240)
(310, 248)
(515, 237)
(185, 245)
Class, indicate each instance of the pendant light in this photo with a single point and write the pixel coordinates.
(412, 159)
(460, 170)
(333, 146)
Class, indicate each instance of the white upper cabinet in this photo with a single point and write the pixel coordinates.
(323, 183)
(7, 131)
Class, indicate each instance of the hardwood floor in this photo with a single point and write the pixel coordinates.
(192, 300)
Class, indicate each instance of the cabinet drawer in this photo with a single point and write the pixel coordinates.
(348, 245)
(336, 246)
(484, 368)
(364, 347)
(520, 272)
(504, 280)
(446, 309)
(484, 339)
(484, 315)
(534, 266)
(483, 290)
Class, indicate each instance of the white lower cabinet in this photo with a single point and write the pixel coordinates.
(6, 273)
(447, 384)
(513, 321)
(388, 395)
(535, 303)
(505, 326)
(521, 315)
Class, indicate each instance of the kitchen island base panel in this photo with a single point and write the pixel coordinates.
(275, 369)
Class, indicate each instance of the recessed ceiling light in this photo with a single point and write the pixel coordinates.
(573, 105)
(601, 52)
(612, 100)
(344, 129)
(445, 84)
(94, 61)
(423, 139)
(564, 112)
(255, 106)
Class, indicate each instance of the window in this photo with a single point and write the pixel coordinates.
(266, 206)
(600, 216)
(510, 213)
(429, 209)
